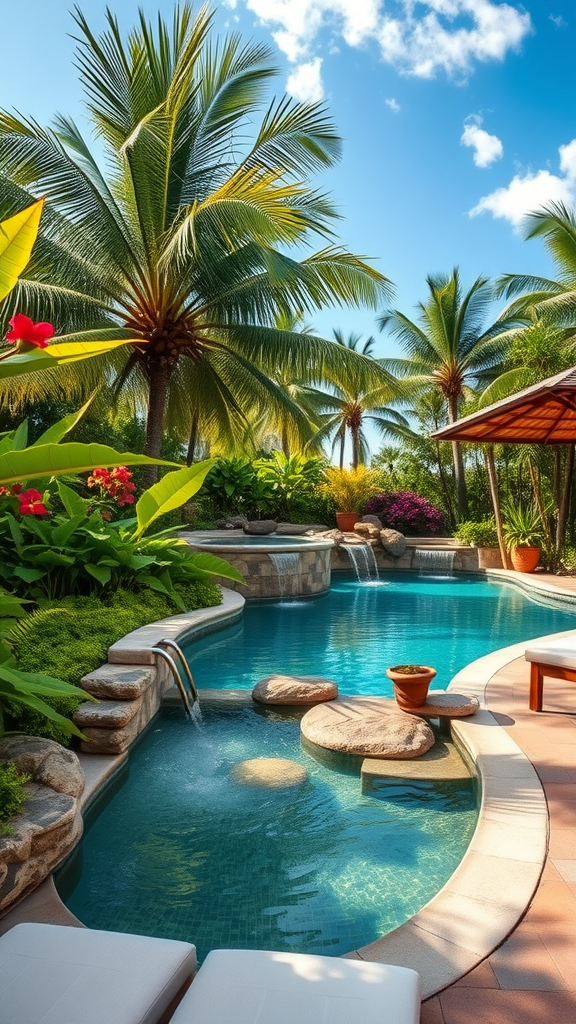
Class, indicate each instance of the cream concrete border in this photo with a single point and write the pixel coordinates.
(197, 539)
(134, 648)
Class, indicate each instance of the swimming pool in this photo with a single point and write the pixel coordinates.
(182, 850)
(353, 633)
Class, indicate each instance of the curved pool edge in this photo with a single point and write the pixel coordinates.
(490, 891)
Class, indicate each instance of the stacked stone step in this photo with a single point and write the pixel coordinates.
(128, 697)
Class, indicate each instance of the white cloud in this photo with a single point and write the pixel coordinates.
(419, 37)
(487, 148)
(305, 82)
(530, 192)
(558, 20)
(393, 104)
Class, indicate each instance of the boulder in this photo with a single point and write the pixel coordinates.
(393, 542)
(45, 761)
(260, 527)
(299, 529)
(372, 519)
(273, 772)
(367, 727)
(279, 689)
(368, 531)
(232, 523)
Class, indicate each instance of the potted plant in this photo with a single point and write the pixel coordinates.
(524, 536)
(411, 684)
(349, 490)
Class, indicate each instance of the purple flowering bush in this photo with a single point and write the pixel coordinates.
(406, 512)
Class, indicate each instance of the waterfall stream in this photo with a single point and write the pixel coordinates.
(286, 564)
(364, 562)
(434, 562)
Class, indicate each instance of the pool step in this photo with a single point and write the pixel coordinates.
(442, 763)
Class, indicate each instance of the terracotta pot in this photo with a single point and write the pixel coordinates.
(411, 690)
(346, 521)
(525, 559)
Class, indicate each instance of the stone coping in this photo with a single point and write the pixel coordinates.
(200, 540)
(134, 648)
(547, 584)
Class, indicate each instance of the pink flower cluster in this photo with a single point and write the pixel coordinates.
(31, 503)
(114, 483)
(406, 512)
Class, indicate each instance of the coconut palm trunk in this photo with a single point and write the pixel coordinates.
(565, 499)
(458, 460)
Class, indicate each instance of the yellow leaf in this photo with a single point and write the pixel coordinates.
(56, 355)
(17, 237)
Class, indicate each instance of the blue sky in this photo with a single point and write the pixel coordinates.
(405, 82)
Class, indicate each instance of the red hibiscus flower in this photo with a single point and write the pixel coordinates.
(31, 503)
(26, 332)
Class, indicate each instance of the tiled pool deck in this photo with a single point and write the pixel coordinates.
(531, 977)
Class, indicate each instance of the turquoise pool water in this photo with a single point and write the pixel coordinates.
(182, 850)
(355, 632)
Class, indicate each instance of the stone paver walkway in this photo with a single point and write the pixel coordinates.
(531, 978)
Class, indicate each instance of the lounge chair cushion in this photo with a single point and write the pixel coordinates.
(560, 652)
(237, 986)
(54, 974)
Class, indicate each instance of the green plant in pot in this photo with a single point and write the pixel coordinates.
(411, 684)
(523, 536)
(349, 489)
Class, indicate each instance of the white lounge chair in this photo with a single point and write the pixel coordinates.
(240, 986)
(556, 659)
(54, 974)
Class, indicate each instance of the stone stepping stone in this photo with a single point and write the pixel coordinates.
(367, 727)
(279, 689)
(446, 705)
(442, 763)
(273, 772)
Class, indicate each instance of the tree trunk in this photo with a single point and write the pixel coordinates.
(157, 395)
(444, 484)
(556, 474)
(193, 440)
(461, 492)
(285, 444)
(493, 478)
(535, 481)
(342, 446)
(355, 455)
(565, 499)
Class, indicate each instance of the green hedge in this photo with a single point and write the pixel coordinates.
(12, 794)
(69, 638)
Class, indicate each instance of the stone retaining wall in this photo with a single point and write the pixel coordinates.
(466, 559)
(266, 580)
(50, 824)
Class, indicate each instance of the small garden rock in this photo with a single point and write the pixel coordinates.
(368, 531)
(279, 689)
(367, 727)
(260, 527)
(393, 542)
(372, 519)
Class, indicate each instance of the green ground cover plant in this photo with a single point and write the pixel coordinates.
(482, 534)
(12, 795)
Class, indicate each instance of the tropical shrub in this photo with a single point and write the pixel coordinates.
(12, 794)
(71, 637)
(522, 527)
(349, 489)
(235, 487)
(482, 534)
(294, 480)
(406, 512)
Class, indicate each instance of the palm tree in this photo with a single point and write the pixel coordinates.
(346, 405)
(182, 245)
(449, 349)
(553, 301)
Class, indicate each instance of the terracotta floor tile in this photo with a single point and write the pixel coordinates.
(553, 904)
(492, 1006)
(550, 873)
(431, 1012)
(561, 945)
(523, 962)
(562, 844)
(566, 868)
(562, 813)
(481, 977)
(549, 772)
(564, 792)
